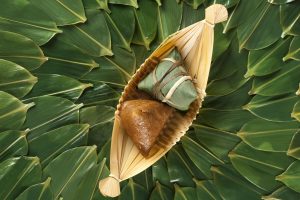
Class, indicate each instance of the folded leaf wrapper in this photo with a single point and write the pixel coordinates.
(170, 83)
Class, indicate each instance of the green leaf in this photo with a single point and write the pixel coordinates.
(280, 1)
(268, 60)
(291, 176)
(50, 144)
(290, 18)
(294, 148)
(226, 3)
(294, 51)
(282, 193)
(160, 172)
(296, 111)
(66, 59)
(227, 120)
(121, 25)
(14, 79)
(132, 3)
(183, 193)
(277, 108)
(13, 143)
(221, 42)
(284, 81)
(21, 50)
(17, 174)
(92, 37)
(201, 157)
(63, 12)
(133, 191)
(259, 167)
(216, 141)
(12, 111)
(233, 186)
(100, 118)
(116, 70)
(207, 190)
(194, 3)
(145, 179)
(49, 113)
(190, 15)
(180, 167)
(161, 192)
(77, 162)
(40, 31)
(99, 94)
(254, 28)
(57, 85)
(268, 136)
(39, 191)
(169, 18)
(146, 23)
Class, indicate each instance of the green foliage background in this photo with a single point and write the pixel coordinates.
(63, 64)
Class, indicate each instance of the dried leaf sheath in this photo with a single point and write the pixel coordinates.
(195, 44)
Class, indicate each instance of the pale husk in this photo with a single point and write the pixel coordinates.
(195, 43)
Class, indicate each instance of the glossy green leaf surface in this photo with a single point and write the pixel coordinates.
(284, 81)
(133, 191)
(17, 174)
(194, 3)
(161, 192)
(160, 172)
(40, 31)
(190, 15)
(92, 37)
(63, 12)
(13, 143)
(21, 50)
(12, 111)
(39, 191)
(207, 190)
(182, 193)
(268, 136)
(291, 176)
(296, 111)
(57, 85)
(50, 113)
(61, 139)
(282, 193)
(77, 162)
(280, 1)
(125, 2)
(294, 51)
(294, 148)
(289, 18)
(14, 79)
(259, 167)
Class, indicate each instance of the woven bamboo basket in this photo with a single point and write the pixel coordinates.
(195, 44)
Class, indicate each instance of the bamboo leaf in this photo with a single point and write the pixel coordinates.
(13, 143)
(216, 141)
(12, 112)
(133, 191)
(50, 144)
(63, 12)
(259, 167)
(294, 51)
(14, 79)
(160, 172)
(194, 3)
(291, 176)
(145, 179)
(77, 162)
(294, 148)
(40, 31)
(226, 3)
(57, 85)
(268, 60)
(277, 108)
(232, 185)
(39, 191)
(169, 18)
(17, 174)
(296, 111)
(92, 37)
(268, 136)
(132, 3)
(21, 50)
(183, 193)
(66, 59)
(282, 193)
(161, 192)
(190, 15)
(207, 190)
(96, 4)
(50, 113)
(264, 23)
(121, 25)
(282, 82)
(280, 1)
(200, 156)
(158, 2)
(290, 18)
(146, 23)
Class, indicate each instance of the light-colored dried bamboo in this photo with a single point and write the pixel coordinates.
(195, 44)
